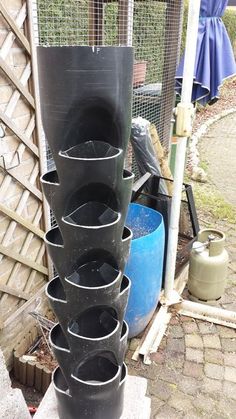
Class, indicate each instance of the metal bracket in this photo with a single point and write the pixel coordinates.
(8, 158)
(175, 298)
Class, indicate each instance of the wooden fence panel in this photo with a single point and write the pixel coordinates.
(23, 263)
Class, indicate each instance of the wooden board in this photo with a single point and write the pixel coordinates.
(23, 261)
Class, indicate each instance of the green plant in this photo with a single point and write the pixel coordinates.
(208, 200)
(204, 165)
(66, 22)
(148, 34)
(229, 20)
(63, 22)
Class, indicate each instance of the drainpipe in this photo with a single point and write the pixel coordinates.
(184, 125)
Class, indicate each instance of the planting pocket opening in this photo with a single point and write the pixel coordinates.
(95, 323)
(98, 369)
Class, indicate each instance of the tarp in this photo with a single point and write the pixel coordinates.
(144, 151)
(214, 55)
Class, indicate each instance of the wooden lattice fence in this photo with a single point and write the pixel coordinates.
(23, 263)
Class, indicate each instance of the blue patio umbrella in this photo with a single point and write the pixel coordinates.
(214, 55)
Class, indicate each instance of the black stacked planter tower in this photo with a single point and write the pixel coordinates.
(85, 95)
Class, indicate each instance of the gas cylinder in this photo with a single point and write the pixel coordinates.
(208, 266)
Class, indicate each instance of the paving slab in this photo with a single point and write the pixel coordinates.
(193, 374)
(203, 382)
(136, 404)
(12, 402)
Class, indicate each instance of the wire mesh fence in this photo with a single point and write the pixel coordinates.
(153, 28)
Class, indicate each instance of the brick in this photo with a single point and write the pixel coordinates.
(185, 319)
(211, 341)
(232, 265)
(167, 412)
(220, 416)
(195, 355)
(174, 360)
(175, 345)
(232, 291)
(170, 375)
(190, 385)
(226, 299)
(158, 357)
(163, 343)
(228, 345)
(226, 332)
(145, 371)
(204, 403)
(214, 356)
(160, 389)
(211, 386)
(190, 327)
(207, 328)
(156, 405)
(192, 369)
(230, 359)
(176, 331)
(174, 320)
(214, 371)
(230, 374)
(192, 414)
(227, 407)
(193, 341)
(181, 402)
(229, 390)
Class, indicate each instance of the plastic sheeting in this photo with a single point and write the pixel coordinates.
(144, 152)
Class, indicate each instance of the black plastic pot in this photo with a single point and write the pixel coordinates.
(86, 108)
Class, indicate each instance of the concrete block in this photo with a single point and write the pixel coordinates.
(136, 404)
(13, 406)
(5, 383)
(12, 402)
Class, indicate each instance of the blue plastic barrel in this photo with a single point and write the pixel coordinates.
(145, 265)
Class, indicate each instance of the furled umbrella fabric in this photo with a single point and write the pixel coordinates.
(214, 55)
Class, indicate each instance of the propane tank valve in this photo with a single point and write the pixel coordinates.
(211, 237)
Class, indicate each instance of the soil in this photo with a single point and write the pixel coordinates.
(32, 396)
(45, 358)
(227, 101)
(44, 355)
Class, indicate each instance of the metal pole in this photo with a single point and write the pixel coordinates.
(190, 54)
(130, 23)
